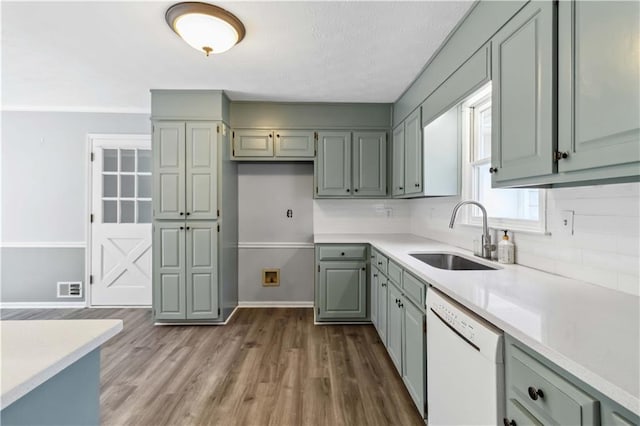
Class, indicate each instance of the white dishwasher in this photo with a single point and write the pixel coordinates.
(465, 367)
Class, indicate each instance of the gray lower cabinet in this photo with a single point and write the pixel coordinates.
(273, 145)
(598, 83)
(382, 289)
(185, 270)
(394, 326)
(185, 170)
(414, 352)
(351, 164)
(374, 282)
(341, 283)
(539, 392)
(523, 94)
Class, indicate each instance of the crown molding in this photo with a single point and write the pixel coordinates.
(77, 109)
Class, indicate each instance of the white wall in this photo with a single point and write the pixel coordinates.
(268, 238)
(605, 247)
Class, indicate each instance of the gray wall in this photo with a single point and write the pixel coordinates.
(44, 162)
(268, 239)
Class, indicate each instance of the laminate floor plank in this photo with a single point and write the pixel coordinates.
(270, 367)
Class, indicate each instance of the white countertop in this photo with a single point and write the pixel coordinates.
(34, 351)
(590, 331)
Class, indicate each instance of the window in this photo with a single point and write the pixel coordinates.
(518, 209)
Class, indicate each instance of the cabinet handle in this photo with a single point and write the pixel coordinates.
(278, 135)
(348, 190)
(384, 284)
(342, 254)
(417, 185)
(506, 422)
(401, 305)
(188, 228)
(379, 263)
(356, 190)
(400, 188)
(181, 228)
(269, 135)
(560, 155)
(188, 214)
(364, 268)
(181, 213)
(493, 170)
(375, 275)
(535, 393)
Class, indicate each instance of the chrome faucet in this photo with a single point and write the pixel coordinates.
(487, 247)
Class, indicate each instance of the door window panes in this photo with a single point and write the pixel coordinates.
(126, 186)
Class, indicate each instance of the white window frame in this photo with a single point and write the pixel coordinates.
(468, 183)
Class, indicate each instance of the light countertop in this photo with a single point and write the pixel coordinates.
(34, 351)
(590, 331)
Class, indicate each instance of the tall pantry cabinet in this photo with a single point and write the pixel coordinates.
(195, 228)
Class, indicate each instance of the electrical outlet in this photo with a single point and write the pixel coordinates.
(566, 222)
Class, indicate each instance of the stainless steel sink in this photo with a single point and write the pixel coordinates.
(450, 262)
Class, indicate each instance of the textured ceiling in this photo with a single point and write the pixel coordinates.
(107, 55)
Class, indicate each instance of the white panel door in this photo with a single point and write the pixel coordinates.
(121, 227)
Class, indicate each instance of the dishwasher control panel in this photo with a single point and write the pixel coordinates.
(457, 320)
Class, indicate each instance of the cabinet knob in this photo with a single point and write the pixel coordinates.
(188, 228)
(417, 185)
(375, 275)
(269, 135)
(384, 284)
(364, 268)
(535, 393)
(506, 422)
(278, 135)
(379, 263)
(348, 190)
(342, 254)
(188, 214)
(181, 213)
(401, 305)
(182, 227)
(356, 190)
(560, 155)
(493, 170)
(400, 188)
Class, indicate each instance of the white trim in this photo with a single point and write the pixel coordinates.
(120, 307)
(279, 245)
(276, 304)
(89, 109)
(42, 305)
(200, 323)
(45, 244)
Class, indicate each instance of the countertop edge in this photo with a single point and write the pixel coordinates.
(606, 387)
(12, 395)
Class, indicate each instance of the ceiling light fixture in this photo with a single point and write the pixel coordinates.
(205, 27)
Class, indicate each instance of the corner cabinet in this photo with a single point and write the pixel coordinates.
(195, 233)
(351, 164)
(341, 283)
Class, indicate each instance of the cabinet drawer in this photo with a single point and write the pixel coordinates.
(413, 288)
(343, 253)
(381, 262)
(395, 273)
(542, 391)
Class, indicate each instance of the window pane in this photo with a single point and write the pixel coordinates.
(110, 160)
(144, 160)
(483, 146)
(109, 185)
(503, 203)
(144, 211)
(127, 212)
(127, 160)
(144, 186)
(127, 186)
(109, 211)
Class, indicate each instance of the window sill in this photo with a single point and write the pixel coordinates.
(510, 228)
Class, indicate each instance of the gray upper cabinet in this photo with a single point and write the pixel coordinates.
(295, 143)
(413, 153)
(169, 170)
(599, 84)
(202, 175)
(253, 143)
(369, 164)
(169, 274)
(333, 167)
(185, 170)
(201, 270)
(523, 112)
(397, 179)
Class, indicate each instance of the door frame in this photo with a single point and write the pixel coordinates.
(91, 137)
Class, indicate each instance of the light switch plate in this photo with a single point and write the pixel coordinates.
(566, 222)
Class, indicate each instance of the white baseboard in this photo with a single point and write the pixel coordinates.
(43, 305)
(275, 304)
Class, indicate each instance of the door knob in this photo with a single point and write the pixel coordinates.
(535, 393)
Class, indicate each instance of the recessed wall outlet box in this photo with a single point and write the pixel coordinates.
(271, 277)
(69, 289)
(566, 222)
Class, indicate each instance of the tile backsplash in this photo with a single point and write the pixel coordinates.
(360, 216)
(604, 249)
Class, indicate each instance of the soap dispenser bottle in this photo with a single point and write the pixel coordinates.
(506, 250)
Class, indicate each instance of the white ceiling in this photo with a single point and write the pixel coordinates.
(107, 55)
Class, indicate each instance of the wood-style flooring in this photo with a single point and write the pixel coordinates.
(266, 367)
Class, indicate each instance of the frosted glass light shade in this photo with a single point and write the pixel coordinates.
(205, 27)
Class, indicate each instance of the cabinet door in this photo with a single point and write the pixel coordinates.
(202, 273)
(169, 170)
(394, 326)
(413, 153)
(295, 143)
(598, 83)
(369, 164)
(413, 353)
(202, 171)
(169, 270)
(382, 309)
(523, 112)
(252, 143)
(397, 183)
(343, 290)
(374, 282)
(520, 415)
(333, 166)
